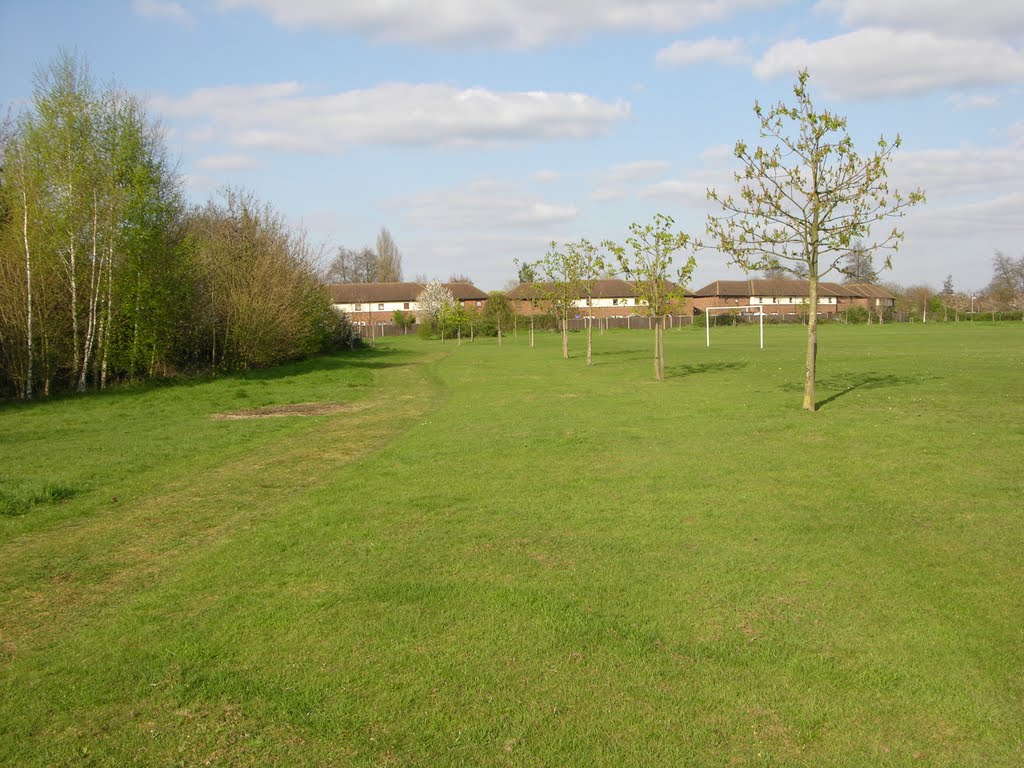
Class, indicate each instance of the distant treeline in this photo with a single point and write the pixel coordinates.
(107, 275)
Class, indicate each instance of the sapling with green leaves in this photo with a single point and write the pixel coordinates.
(805, 199)
(561, 288)
(590, 264)
(648, 262)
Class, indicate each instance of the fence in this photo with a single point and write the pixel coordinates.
(642, 322)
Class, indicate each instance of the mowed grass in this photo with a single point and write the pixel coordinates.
(496, 557)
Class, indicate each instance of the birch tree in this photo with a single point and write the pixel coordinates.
(804, 198)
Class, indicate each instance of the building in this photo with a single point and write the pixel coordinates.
(608, 298)
(376, 302)
(791, 297)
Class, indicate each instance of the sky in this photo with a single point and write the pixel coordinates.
(478, 131)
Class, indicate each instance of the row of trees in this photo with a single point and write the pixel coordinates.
(106, 274)
(806, 206)
(367, 265)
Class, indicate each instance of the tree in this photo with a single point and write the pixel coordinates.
(650, 266)
(526, 272)
(805, 198)
(498, 312)
(436, 302)
(561, 287)
(590, 265)
(97, 274)
(1007, 282)
(403, 320)
(947, 286)
(775, 272)
(389, 258)
(459, 277)
(351, 266)
(526, 269)
(858, 265)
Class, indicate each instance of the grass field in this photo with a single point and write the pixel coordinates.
(492, 556)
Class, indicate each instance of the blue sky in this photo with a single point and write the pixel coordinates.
(479, 130)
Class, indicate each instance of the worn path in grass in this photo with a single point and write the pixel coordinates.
(532, 563)
(132, 530)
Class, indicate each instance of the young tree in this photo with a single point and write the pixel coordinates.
(436, 303)
(561, 287)
(389, 258)
(805, 198)
(403, 320)
(591, 265)
(499, 312)
(649, 263)
(527, 273)
(947, 286)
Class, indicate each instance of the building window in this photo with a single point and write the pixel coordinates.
(615, 302)
(406, 305)
(358, 307)
(380, 306)
(479, 304)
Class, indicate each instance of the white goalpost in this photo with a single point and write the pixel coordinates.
(760, 318)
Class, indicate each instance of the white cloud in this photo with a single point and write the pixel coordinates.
(875, 62)
(968, 101)
(279, 116)
(683, 53)
(997, 18)
(226, 163)
(484, 206)
(156, 9)
(545, 176)
(953, 174)
(615, 182)
(481, 23)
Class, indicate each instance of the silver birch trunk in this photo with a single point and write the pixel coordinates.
(28, 292)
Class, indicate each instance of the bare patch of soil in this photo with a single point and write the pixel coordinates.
(296, 409)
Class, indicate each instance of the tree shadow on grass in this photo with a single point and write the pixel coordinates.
(844, 385)
(373, 358)
(680, 371)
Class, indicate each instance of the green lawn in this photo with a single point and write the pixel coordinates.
(492, 556)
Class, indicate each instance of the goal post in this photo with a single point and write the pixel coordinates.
(744, 309)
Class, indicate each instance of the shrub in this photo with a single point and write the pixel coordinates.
(856, 315)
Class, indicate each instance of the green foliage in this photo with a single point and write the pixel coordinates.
(498, 312)
(856, 315)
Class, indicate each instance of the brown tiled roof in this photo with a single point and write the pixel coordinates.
(465, 292)
(602, 289)
(358, 293)
(746, 288)
(867, 291)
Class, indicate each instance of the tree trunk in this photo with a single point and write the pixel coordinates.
(658, 369)
(590, 355)
(531, 330)
(499, 334)
(810, 368)
(661, 349)
(28, 294)
(565, 336)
